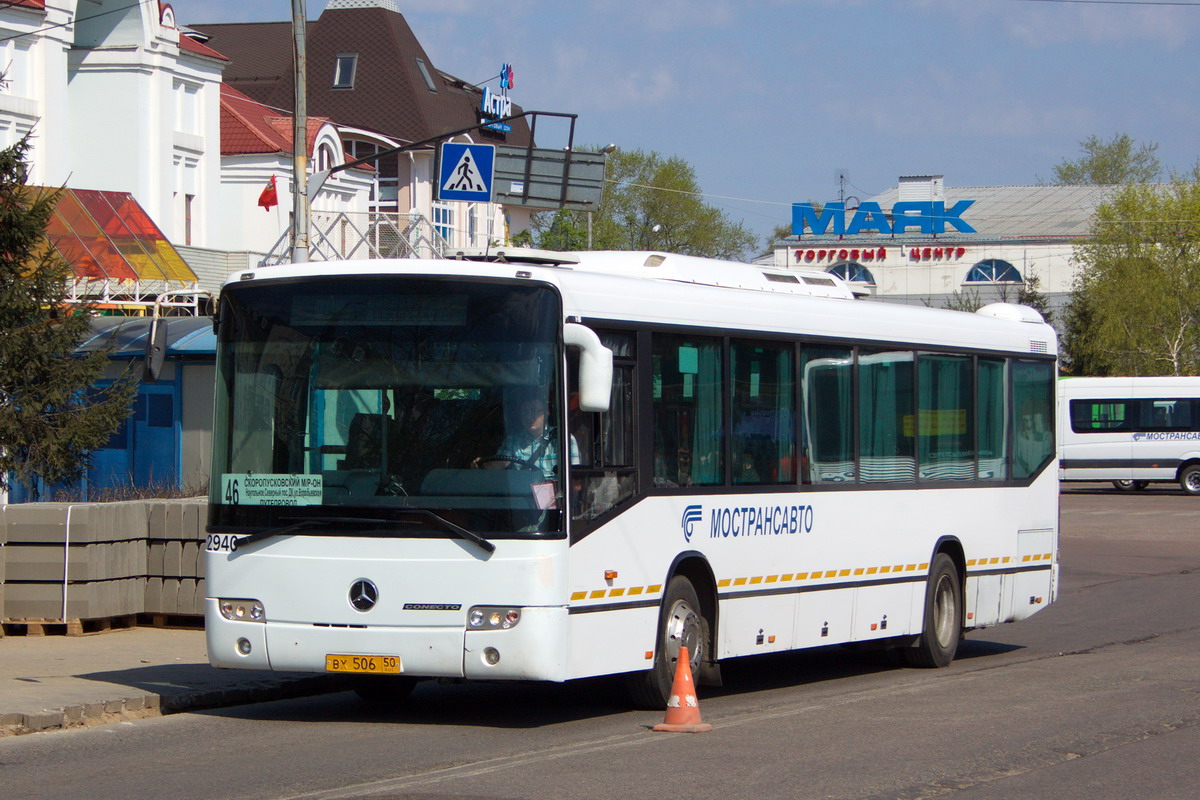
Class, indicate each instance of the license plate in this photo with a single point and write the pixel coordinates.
(369, 665)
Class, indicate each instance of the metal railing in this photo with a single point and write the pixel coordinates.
(341, 236)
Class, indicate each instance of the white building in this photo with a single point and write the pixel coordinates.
(978, 242)
(118, 98)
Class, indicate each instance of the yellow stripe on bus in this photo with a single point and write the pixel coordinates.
(795, 577)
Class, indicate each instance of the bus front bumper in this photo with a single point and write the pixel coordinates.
(534, 649)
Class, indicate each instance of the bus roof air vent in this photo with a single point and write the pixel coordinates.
(515, 255)
(655, 260)
(1011, 312)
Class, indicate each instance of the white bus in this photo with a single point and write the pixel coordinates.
(1130, 431)
(734, 458)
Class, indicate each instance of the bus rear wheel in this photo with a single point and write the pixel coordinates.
(1189, 479)
(1126, 486)
(680, 624)
(942, 628)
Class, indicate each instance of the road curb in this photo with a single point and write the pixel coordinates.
(150, 704)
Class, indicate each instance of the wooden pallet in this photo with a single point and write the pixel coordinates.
(70, 627)
(190, 621)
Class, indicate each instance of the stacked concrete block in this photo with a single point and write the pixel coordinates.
(175, 557)
(3, 540)
(74, 561)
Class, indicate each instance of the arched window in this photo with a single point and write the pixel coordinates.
(325, 157)
(993, 270)
(853, 272)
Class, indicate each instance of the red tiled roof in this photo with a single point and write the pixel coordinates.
(192, 46)
(250, 127)
(40, 5)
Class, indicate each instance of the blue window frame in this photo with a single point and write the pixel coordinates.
(853, 272)
(993, 270)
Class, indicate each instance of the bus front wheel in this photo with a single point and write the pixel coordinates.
(942, 629)
(1189, 479)
(680, 624)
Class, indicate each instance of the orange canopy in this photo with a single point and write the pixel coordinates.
(107, 235)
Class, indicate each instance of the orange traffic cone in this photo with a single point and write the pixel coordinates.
(683, 709)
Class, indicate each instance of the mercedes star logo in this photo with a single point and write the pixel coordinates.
(363, 594)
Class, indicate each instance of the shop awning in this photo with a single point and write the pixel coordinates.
(107, 236)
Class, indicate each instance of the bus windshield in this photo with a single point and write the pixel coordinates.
(424, 401)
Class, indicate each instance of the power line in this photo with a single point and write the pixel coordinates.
(1117, 2)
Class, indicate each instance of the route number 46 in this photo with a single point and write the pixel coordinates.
(231, 492)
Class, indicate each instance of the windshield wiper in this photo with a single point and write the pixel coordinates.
(457, 530)
(306, 522)
(313, 522)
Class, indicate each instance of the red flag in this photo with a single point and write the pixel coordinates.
(269, 197)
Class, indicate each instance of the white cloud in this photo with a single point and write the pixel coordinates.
(669, 15)
(579, 84)
(1097, 25)
(1043, 25)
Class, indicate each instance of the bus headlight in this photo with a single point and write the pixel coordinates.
(489, 618)
(242, 610)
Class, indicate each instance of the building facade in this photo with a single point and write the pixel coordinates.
(370, 75)
(122, 97)
(923, 243)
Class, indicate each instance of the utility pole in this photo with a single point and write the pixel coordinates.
(300, 203)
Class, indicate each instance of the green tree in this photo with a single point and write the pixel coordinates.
(51, 415)
(1117, 161)
(1030, 294)
(778, 233)
(1136, 302)
(649, 202)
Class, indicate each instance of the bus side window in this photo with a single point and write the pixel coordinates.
(687, 397)
(763, 438)
(1033, 407)
(607, 475)
(828, 415)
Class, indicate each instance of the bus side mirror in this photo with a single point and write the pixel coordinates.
(156, 349)
(595, 366)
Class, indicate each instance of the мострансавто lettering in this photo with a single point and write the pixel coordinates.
(761, 521)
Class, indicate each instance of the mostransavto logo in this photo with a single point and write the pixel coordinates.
(691, 515)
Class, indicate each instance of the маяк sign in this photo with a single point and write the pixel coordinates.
(929, 217)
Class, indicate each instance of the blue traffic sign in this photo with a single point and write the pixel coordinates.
(466, 172)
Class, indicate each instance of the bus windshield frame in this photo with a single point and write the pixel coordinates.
(428, 401)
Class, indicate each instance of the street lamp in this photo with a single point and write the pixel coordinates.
(610, 147)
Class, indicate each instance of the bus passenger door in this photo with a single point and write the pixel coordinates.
(605, 476)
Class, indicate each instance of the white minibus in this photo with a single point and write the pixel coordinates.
(1130, 431)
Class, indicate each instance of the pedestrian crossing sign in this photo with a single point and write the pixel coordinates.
(465, 172)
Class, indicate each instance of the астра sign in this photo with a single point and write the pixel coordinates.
(926, 217)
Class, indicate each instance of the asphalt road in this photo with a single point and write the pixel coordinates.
(1096, 697)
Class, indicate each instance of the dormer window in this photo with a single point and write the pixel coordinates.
(343, 73)
(429, 84)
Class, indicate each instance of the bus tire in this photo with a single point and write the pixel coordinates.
(384, 693)
(1126, 486)
(1189, 479)
(942, 628)
(680, 623)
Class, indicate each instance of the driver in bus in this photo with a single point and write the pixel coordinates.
(533, 445)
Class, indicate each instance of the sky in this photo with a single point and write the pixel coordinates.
(770, 100)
